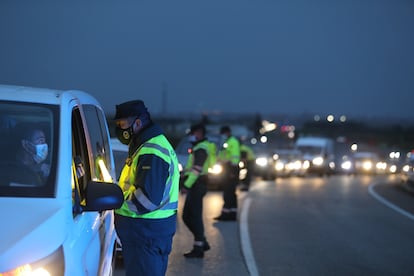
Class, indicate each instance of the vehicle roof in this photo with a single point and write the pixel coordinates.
(317, 141)
(287, 151)
(43, 95)
(365, 154)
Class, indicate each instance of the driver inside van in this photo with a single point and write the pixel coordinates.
(33, 152)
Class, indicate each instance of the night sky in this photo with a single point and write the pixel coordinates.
(351, 57)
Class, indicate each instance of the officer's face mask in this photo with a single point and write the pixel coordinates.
(124, 135)
(41, 153)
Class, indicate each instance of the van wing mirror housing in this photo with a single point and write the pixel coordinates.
(102, 196)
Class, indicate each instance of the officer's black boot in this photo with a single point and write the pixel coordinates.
(227, 216)
(197, 252)
(206, 246)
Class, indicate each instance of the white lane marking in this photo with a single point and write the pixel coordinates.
(245, 239)
(387, 203)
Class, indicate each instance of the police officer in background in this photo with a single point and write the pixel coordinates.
(146, 222)
(229, 156)
(195, 187)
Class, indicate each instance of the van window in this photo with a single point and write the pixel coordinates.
(80, 159)
(28, 148)
(92, 163)
(97, 128)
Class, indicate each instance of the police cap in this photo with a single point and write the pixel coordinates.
(225, 129)
(130, 109)
(196, 127)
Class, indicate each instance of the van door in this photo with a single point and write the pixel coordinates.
(93, 161)
(103, 169)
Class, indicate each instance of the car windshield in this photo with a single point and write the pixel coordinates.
(287, 154)
(28, 149)
(365, 156)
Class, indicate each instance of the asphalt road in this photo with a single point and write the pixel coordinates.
(339, 225)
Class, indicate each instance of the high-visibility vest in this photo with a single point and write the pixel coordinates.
(194, 172)
(230, 151)
(211, 149)
(160, 147)
(212, 154)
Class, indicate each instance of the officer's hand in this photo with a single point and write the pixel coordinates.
(182, 180)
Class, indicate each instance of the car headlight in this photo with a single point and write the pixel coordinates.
(261, 161)
(317, 161)
(381, 166)
(393, 168)
(367, 165)
(216, 169)
(290, 166)
(346, 165)
(306, 165)
(51, 265)
(279, 166)
(406, 168)
(296, 165)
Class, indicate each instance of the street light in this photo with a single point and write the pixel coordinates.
(354, 147)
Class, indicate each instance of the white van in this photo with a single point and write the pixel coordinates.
(319, 152)
(57, 212)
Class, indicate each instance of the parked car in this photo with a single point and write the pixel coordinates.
(64, 224)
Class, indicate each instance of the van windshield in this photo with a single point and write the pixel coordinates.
(28, 148)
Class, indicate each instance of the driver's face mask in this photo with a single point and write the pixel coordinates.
(38, 151)
(41, 151)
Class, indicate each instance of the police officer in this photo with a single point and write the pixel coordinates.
(229, 156)
(146, 222)
(195, 185)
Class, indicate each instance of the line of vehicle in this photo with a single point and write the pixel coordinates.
(388, 203)
(245, 239)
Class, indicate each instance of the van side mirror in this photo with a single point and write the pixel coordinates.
(102, 196)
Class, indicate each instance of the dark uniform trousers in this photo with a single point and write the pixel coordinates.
(230, 184)
(193, 208)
